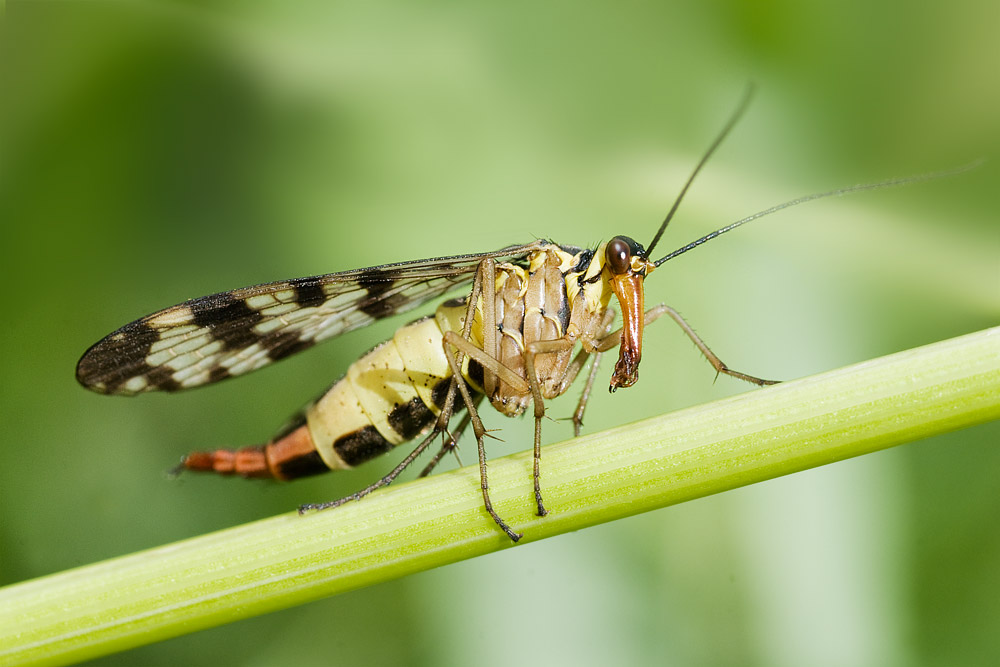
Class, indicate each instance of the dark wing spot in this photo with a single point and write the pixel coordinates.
(380, 302)
(216, 373)
(119, 357)
(230, 319)
(161, 377)
(308, 291)
(286, 344)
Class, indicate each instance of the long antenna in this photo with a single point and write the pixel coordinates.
(744, 103)
(832, 193)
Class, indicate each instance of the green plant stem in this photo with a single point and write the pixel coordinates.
(287, 560)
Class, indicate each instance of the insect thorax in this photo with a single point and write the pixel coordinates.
(558, 291)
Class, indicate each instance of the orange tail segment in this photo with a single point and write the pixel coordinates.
(287, 457)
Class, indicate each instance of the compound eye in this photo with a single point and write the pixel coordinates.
(618, 255)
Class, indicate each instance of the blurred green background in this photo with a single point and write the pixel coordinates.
(153, 152)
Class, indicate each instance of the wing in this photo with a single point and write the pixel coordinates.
(214, 337)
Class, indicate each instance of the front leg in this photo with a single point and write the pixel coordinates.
(653, 314)
(717, 363)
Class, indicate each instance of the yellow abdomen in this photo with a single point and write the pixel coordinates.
(387, 397)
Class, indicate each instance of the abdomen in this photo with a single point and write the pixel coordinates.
(387, 397)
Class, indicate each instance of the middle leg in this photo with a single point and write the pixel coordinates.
(530, 352)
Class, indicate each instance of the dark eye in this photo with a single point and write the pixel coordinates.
(618, 255)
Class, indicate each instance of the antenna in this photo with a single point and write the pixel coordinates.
(820, 195)
(744, 103)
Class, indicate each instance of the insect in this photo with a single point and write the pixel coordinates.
(535, 316)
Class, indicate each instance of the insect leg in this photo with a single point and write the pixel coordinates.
(585, 394)
(491, 342)
(712, 359)
(614, 338)
(655, 313)
(485, 281)
(440, 426)
(450, 442)
(530, 352)
(574, 369)
(470, 311)
(385, 481)
(465, 347)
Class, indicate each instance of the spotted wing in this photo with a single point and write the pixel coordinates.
(214, 337)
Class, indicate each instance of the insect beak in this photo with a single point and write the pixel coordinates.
(628, 288)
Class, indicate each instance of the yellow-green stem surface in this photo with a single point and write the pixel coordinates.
(288, 559)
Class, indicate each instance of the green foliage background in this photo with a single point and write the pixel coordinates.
(152, 152)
